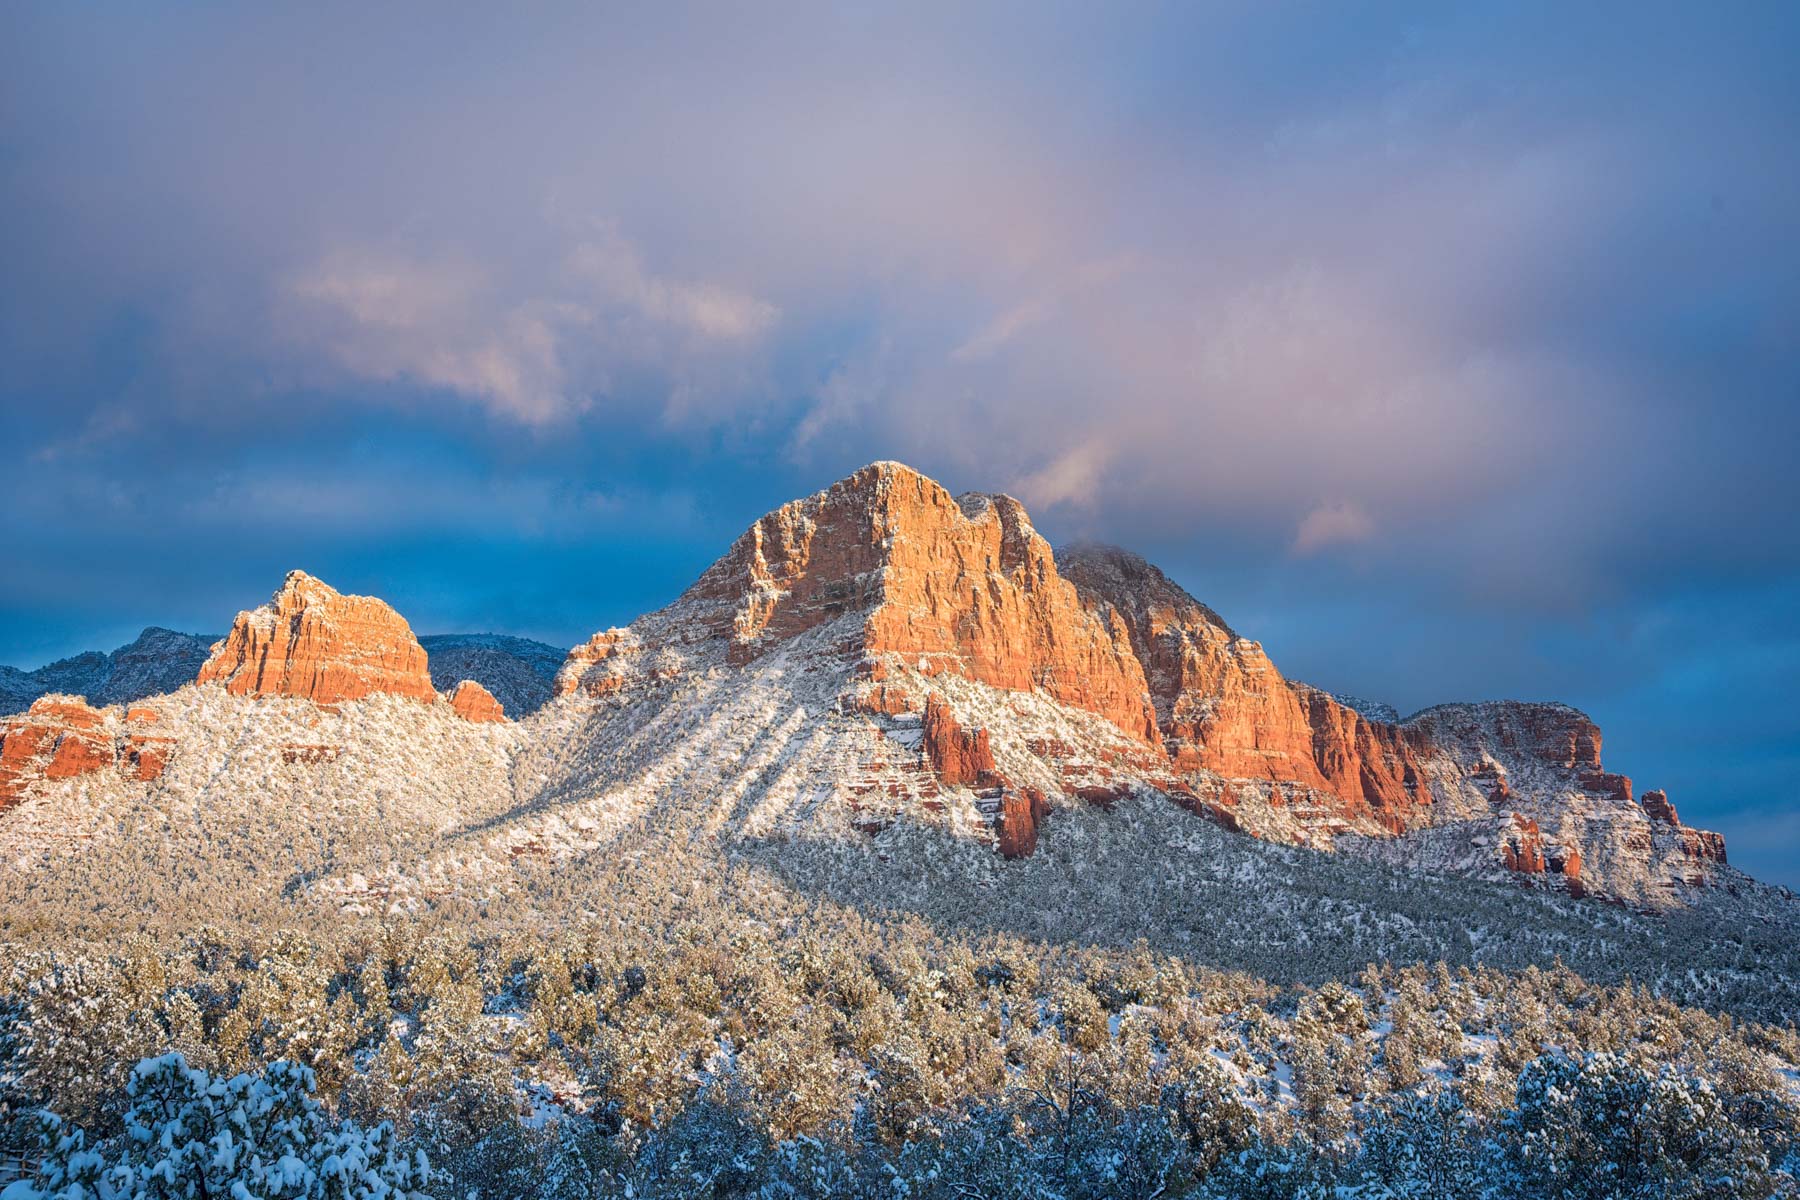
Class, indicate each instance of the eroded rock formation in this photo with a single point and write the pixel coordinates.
(312, 642)
(63, 737)
(1021, 813)
(1224, 708)
(473, 702)
(961, 757)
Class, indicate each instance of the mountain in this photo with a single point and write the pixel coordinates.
(160, 660)
(887, 694)
(974, 675)
(518, 672)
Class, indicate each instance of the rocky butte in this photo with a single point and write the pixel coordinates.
(312, 642)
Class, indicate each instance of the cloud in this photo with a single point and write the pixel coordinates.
(711, 310)
(1332, 525)
(1072, 478)
(533, 345)
(434, 324)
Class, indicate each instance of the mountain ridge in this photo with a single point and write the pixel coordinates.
(896, 655)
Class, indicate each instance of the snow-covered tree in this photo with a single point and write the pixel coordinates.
(1601, 1127)
(257, 1136)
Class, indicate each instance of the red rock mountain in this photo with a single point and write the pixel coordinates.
(884, 653)
(888, 575)
(311, 642)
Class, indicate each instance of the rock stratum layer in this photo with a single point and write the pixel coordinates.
(311, 642)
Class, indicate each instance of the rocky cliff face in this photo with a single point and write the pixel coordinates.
(472, 702)
(311, 642)
(1224, 710)
(911, 576)
(62, 737)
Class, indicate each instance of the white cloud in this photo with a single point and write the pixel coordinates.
(1072, 478)
(1330, 525)
(711, 310)
(436, 324)
(533, 344)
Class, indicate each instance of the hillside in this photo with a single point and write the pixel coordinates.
(159, 661)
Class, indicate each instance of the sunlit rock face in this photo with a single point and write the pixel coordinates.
(58, 737)
(473, 702)
(911, 575)
(63, 737)
(311, 642)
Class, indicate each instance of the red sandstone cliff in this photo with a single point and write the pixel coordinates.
(472, 702)
(62, 737)
(309, 641)
(1224, 708)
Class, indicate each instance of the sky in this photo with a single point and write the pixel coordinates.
(1453, 351)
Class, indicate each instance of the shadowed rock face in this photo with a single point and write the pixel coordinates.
(961, 757)
(311, 642)
(1224, 708)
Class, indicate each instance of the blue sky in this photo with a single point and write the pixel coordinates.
(1454, 351)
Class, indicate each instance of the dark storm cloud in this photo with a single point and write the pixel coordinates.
(1448, 349)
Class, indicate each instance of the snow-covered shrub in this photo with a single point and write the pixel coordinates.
(1421, 1146)
(1271, 1171)
(250, 1137)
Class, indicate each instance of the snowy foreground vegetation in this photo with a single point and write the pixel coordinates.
(792, 1048)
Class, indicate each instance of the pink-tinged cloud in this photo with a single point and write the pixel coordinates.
(1332, 525)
